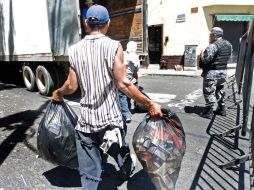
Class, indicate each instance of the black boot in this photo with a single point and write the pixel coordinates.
(208, 113)
(221, 110)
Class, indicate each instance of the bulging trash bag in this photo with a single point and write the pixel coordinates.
(160, 146)
(56, 135)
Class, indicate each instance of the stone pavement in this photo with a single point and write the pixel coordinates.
(153, 69)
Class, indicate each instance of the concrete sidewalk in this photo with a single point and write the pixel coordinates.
(154, 69)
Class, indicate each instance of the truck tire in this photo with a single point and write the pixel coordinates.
(29, 78)
(44, 81)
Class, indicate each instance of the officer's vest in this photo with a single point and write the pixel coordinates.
(222, 56)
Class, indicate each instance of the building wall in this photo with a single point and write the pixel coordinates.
(195, 29)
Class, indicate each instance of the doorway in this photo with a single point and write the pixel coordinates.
(155, 43)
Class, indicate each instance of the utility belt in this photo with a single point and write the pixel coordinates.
(213, 66)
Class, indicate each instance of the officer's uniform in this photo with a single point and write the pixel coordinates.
(214, 65)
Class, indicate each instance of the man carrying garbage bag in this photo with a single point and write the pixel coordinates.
(96, 64)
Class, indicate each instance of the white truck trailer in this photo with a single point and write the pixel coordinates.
(37, 33)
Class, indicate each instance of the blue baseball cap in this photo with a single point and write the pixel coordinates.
(97, 15)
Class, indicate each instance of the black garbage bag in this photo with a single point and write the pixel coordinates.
(160, 146)
(56, 135)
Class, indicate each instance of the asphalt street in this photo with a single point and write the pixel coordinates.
(21, 168)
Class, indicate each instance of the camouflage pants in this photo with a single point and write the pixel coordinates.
(213, 90)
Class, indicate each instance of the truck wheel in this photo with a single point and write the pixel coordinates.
(44, 81)
(29, 78)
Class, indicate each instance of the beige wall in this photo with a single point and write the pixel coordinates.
(195, 29)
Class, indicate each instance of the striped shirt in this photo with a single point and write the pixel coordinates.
(92, 59)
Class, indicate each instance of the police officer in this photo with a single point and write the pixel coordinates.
(214, 61)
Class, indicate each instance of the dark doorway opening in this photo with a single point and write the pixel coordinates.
(155, 44)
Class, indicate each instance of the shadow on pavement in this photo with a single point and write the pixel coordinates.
(194, 109)
(140, 181)
(221, 150)
(7, 86)
(63, 177)
(110, 178)
(58, 175)
(11, 75)
(19, 123)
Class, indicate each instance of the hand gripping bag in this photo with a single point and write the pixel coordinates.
(56, 135)
(160, 146)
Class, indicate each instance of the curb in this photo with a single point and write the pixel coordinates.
(164, 74)
(195, 74)
(154, 70)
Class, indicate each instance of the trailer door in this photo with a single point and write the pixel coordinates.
(64, 25)
(23, 28)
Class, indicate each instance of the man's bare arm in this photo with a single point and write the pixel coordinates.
(69, 86)
(128, 88)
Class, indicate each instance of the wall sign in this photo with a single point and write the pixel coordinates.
(180, 18)
(194, 10)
